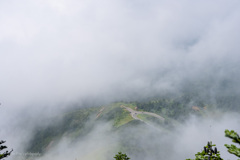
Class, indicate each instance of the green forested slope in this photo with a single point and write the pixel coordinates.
(79, 122)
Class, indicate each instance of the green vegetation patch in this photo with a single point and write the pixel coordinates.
(143, 117)
(71, 123)
(123, 118)
(131, 105)
(119, 116)
(151, 119)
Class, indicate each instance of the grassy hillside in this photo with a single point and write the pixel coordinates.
(115, 114)
(79, 122)
(71, 124)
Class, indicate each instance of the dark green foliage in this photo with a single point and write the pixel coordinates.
(6, 153)
(115, 113)
(236, 139)
(173, 107)
(208, 153)
(72, 124)
(121, 156)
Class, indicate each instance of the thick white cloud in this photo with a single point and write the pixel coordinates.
(60, 51)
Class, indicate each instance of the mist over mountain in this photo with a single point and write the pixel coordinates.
(56, 56)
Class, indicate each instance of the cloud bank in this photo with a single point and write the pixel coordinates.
(64, 51)
(145, 142)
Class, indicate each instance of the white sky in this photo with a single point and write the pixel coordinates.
(61, 51)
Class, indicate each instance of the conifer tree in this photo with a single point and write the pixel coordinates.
(6, 153)
(235, 139)
(208, 153)
(121, 156)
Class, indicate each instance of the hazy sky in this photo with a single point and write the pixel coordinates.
(61, 51)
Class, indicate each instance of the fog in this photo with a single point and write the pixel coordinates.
(55, 55)
(149, 143)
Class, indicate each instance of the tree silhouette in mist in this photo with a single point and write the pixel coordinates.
(235, 139)
(121, 156)
(209, 153)
(6, 153)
